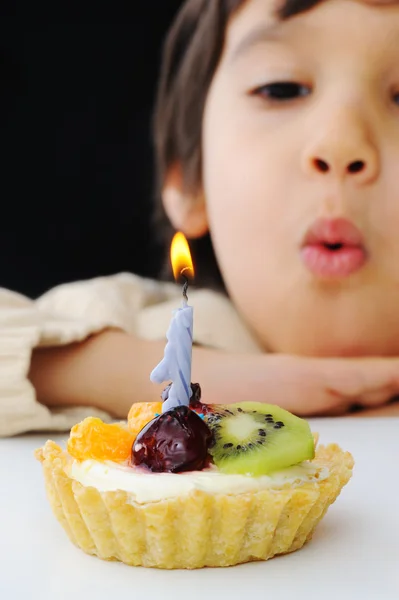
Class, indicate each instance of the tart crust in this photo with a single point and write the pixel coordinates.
(198, 529)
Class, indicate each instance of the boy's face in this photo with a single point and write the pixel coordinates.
(301, 175)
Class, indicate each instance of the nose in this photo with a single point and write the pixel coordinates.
(342, 149)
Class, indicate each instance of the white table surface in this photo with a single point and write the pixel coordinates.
(354, 554)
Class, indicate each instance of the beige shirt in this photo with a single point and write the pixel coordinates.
(72, 312)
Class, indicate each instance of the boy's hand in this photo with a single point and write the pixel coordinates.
(305, 386)
(316, 386)
(386, 410)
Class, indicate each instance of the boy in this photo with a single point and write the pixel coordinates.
(277, 131)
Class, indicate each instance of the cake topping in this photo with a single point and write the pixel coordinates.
(142, 413)
(93, 439)
(176, 441)
(249, 438)
(255, 439)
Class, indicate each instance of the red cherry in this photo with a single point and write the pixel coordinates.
(176, 441)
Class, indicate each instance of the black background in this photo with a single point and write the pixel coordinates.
(76, 176)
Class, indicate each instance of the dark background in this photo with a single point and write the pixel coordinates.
(76, 175)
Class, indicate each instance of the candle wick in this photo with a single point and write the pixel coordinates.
(185, 288)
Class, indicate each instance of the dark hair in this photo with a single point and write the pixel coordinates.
(191, 53)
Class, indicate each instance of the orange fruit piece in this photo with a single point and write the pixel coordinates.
(142, 413)
(92, 438)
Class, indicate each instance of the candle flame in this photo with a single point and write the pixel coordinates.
(180, 256)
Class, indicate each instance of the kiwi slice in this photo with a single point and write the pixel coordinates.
(252, 438)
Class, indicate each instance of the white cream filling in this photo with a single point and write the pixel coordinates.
(154, 487)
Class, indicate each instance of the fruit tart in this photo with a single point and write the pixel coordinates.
(196, 486)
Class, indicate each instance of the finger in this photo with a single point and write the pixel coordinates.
(370, 381)
(387, 410)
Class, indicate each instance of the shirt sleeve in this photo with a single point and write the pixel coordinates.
(68, 313)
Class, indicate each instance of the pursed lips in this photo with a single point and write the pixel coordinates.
(333, 248)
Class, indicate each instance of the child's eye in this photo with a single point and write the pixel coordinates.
(281, 91)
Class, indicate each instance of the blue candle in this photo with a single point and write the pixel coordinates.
(176, 363)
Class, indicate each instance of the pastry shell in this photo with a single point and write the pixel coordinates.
(195, 530)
